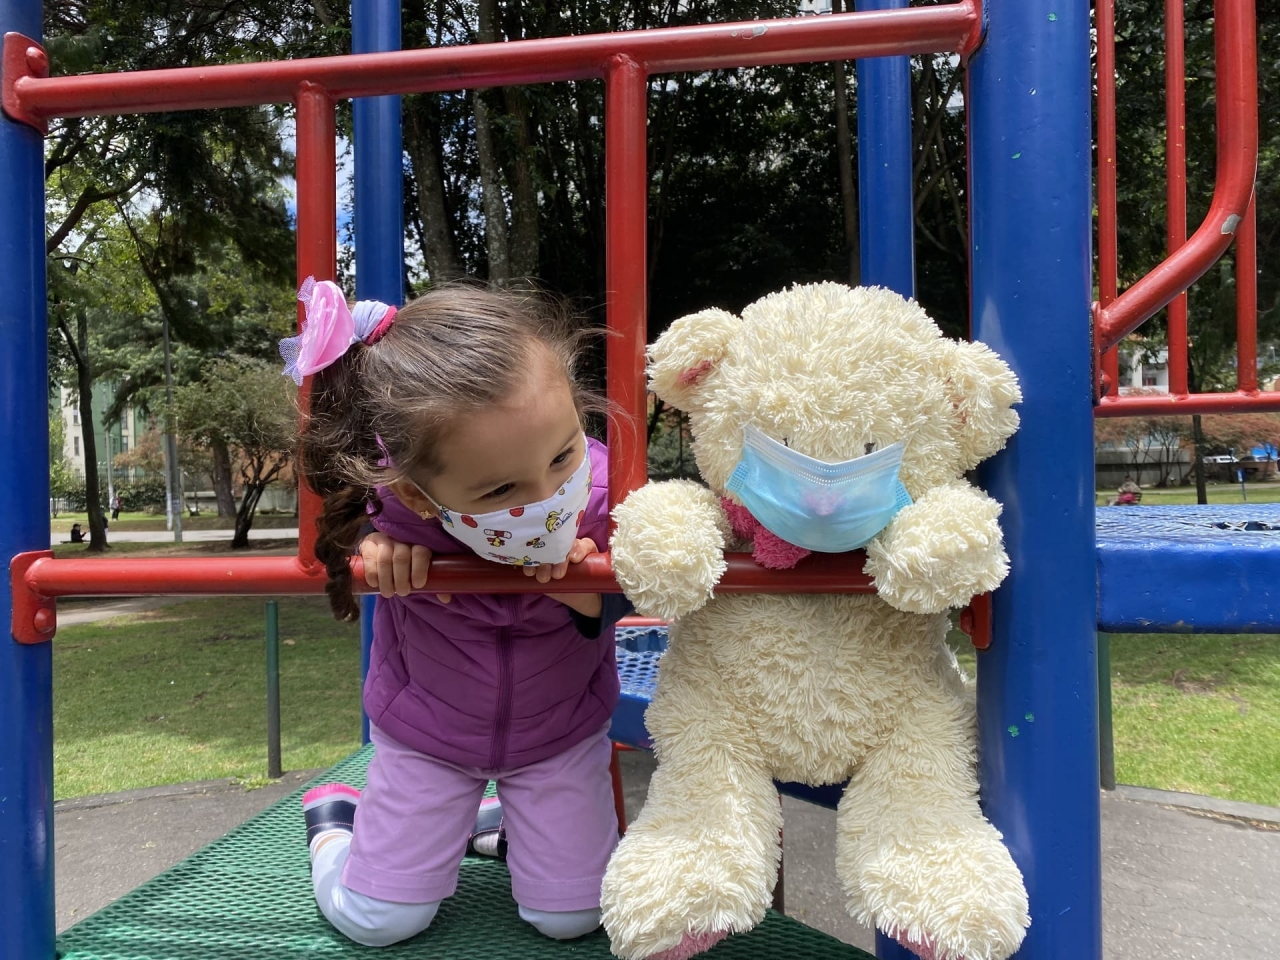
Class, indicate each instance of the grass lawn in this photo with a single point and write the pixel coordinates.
(1198, 713)
(179, 694)
(1218, 493)
(1194, 713)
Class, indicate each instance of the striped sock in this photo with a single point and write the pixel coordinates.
(330, 812)
(488, 839)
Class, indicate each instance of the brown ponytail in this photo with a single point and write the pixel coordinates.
(337, 448)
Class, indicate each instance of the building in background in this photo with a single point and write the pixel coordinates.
(120, 438)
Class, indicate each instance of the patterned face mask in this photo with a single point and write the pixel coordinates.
(527, 536)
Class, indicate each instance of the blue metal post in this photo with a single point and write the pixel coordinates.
(368, 605)
(26, 672)
(379, 213)
(886, 221)
(1029, 136)
(885, 199)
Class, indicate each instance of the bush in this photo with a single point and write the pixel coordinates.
(138, 495)
(73, 497)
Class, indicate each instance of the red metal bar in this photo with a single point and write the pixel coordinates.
(935, 29)
(1108, 260)
(317, 245)
(1171, 405)
(1237, 112)
(1247, 301)
(282, 576)
(33, 617)
(626, 193)
(22, 57)
(1175, 113)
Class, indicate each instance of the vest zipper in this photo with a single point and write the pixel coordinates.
(502, 718)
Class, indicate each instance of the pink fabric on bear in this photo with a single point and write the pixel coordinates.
(768, 549)
(692, 945)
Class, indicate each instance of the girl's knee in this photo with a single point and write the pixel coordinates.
(562, 925)
(377, 923)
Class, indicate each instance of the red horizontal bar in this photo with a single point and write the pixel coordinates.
(1236, 70)
(1172, 405)
(280, 576)
(641, 622)
(951, 27)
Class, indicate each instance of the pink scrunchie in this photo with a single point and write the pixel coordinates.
(331, 328)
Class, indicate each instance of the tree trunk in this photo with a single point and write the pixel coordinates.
(1197, 435)
(222, 478)
(491, 200)
(244, 516)
(844, 152)
(92, 491)
(524, 198)
(423, 144)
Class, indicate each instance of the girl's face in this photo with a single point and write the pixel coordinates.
(516, 453)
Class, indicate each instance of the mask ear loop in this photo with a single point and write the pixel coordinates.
(425, 513)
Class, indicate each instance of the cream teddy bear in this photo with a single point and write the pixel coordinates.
(817, 688)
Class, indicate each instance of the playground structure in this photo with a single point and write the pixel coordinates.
(1029, 91)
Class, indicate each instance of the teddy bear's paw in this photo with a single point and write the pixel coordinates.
(950, 898)
(672, 897)
(668, 549)
(916, 578)
(940, 551)
(661, 588)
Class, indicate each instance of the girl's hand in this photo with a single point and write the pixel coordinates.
(587, 604)
(546, 572)
(393, 568)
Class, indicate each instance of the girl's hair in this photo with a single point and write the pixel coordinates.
(455, 350)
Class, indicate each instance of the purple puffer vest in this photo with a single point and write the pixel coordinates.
(494, 681)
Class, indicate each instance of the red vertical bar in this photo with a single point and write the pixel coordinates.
(317, 245)
(1108, 284)
(626, 189)
(1247, 300)
(1175, 83)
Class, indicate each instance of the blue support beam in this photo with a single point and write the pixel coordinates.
(1030, 210)
(886, 224)
(1185, 569)
(26, 672)
(379, 213)
(886, 221)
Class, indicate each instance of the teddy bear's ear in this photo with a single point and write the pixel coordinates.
(983, 391)
(682, 357)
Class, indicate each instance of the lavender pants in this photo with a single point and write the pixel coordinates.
(411, 831)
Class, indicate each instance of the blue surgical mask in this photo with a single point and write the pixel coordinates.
(825, 507)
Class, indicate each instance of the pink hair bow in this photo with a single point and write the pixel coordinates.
(331, 328)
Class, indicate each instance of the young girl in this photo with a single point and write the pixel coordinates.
(456, 424)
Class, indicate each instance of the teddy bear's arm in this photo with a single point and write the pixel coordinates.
(668, 549)
(941, 551)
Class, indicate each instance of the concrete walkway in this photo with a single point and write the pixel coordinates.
(188, 536)
(1177, 885)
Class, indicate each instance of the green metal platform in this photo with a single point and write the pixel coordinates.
(247, 896)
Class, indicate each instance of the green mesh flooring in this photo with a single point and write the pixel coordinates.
(248, 896)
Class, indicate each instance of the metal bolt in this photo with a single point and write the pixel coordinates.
(37, 61)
